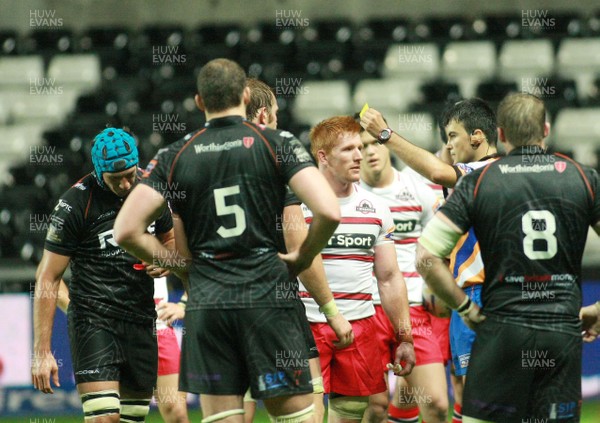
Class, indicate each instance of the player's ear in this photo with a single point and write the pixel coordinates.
(546, 129)
(246, 96)
(199, 102)
(501, 136)
(322, 157)
(263, 117)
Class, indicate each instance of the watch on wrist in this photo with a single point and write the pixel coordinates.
(384, 136)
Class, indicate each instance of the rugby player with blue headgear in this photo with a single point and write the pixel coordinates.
(111, 312)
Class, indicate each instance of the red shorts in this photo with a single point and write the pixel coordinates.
(427, 347)
(386, 338)
(355, 370)
(441, 328)
(168, 352)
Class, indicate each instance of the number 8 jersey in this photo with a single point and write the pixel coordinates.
(530, 210)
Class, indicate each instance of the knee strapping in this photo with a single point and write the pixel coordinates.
(100, 403)
(223, 415)
(296, 417)
(317, 384)
(348, 407)
(134, 410)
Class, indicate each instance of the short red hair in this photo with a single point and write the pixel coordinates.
(325, 134)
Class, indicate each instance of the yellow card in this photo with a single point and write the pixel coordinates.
(363, 110)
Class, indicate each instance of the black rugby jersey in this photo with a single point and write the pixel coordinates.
(228, 184)
(103, 280)
(531, 212)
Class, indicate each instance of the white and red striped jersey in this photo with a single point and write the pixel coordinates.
(161, 294)
(412, 204)
(350, 253)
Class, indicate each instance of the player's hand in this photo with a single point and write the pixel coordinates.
(43, 369)
(405, 353)
(473, 317)
(372, 121)
(296, 263)
(156, 272)
(169, 312)
(342, 329)
(590, 322)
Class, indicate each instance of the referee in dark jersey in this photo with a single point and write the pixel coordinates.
(111, 313)
(530, 211)
(227, 182)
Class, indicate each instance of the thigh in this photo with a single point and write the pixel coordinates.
(275, 350)
(213, 361)
(556, 390)
(140, 349)
(386, 339)
(497, 384)
(324, 336)
(95, 348)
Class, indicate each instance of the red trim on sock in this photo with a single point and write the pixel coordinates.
(403, 413)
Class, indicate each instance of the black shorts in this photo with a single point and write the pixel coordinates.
(313, 352)
(518, 374)
(226, 351)
(106, 349)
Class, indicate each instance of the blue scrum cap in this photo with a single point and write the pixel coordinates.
(113, 150)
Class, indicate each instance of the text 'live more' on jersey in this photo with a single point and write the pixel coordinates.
(531, 212)
(103, 281)
(228, 182)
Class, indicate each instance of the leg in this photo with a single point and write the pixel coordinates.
(249, 407)
(377, 410)
(402, 407)
(428, 390)
(222, 408)
(100, 401)
(346, 409)
(317, 382)
(172, 403)
(135, 405)
(458, 385)
(291, 409)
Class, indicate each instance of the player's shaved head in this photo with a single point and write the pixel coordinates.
(327, 133)
(522, 117)
(261, 95)
(221, 83)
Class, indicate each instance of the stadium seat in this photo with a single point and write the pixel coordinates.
(21, 71)
(385, 30)
(557, 93)
(416, 61)
(498, 28)
(318, 100)
(48, 41)
(525, 59)
(80, 71)
(100, 38)
(18, 139)
(577, 131)
(494, 91)
(443, 29)
(579, 58)
(469, 63)
(391, 96)
(49, 109)
(8, 42)
(435, 96)
(211, 41)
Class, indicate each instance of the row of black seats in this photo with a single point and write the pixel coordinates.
(289, 27)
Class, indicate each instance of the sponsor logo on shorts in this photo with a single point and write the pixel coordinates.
(463, 360)
(270, 381)
(365, 206)
(564, 410)
(88, 372)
